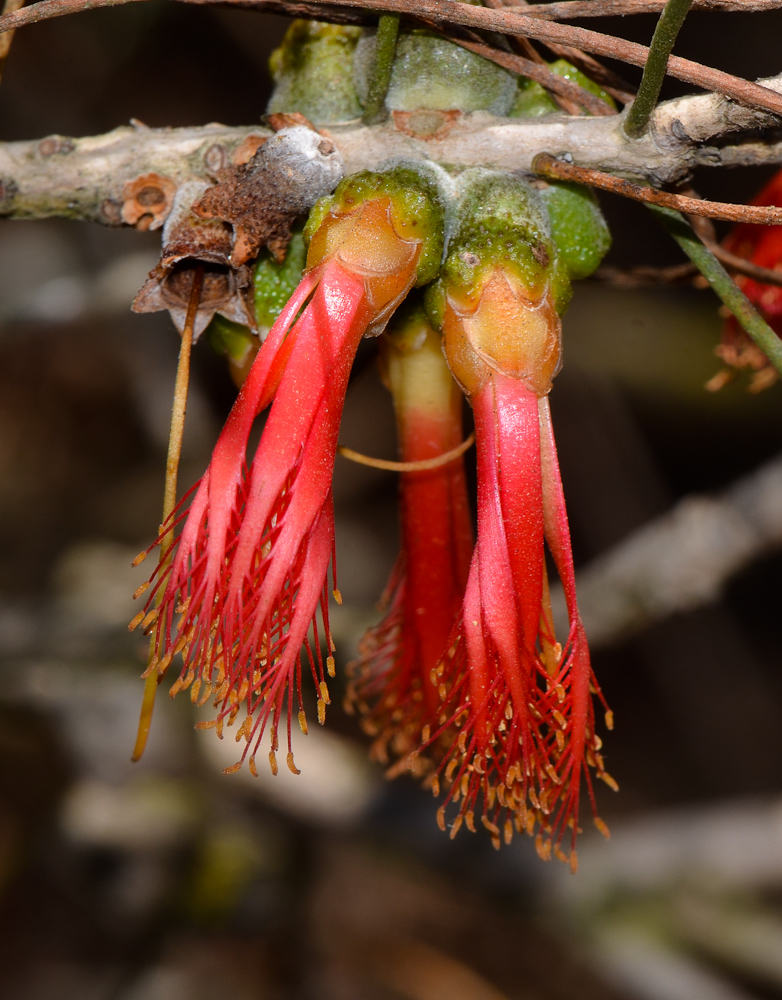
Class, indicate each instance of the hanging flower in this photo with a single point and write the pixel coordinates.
(761, 245)
(249, 568)
(519, 700)
(392, 679)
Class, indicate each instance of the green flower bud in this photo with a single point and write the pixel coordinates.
(432, 73)
(312, 72)
(577, 227)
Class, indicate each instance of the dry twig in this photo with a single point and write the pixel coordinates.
(446, 11)
(764, 215)
(565, 10)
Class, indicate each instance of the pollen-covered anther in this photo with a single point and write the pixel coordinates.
(322, 712)
(456, 826)
(606, 777)
(559, 718)
(136, 620)
(601, 826)
(331, 666)
(337, 596)
(609, 717)
(233, 768)
(543, 847)
(302, 721)
(273, 762)
(469, 820)
(291, 765)
(253, 766)
(441, 818)
(551, 772)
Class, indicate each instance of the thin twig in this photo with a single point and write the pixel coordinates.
(176, 432)
(643, 275)
(523, 47)
(611, 82)
(566, 10)
(763, 215)
(5, 40)
(506, 21)
(541, 74)
(509, 22)
(764, 275)
(726, 288)
(665, 34)
(385, 47)
(423, 465)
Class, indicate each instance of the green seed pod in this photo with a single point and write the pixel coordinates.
(531, 100)
(312, 72)
(577, 227)
(416, 192)
(432, 73)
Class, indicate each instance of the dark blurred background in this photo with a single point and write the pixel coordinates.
(166, 880)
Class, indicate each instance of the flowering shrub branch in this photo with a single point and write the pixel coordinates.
(87, 178)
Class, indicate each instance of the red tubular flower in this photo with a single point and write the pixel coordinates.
(249, 569)
(393, 683)
(761, 245)
(520, 701)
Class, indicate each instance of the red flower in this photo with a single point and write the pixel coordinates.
(521, 701)
(761, 245)
(393, 677)
(249, 568)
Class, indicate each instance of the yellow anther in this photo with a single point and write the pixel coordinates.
(233, 768)
(291, 766)
(602, 827)
(331, 666)
(273, 762)
(302, 721)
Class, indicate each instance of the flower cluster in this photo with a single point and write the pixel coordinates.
(463, 681)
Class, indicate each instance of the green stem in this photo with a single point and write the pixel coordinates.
(387, 30)
(722, 283)
(671, 20)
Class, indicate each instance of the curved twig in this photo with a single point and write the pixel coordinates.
(505, 21)
(763, 215)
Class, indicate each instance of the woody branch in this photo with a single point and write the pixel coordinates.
(95, 178)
